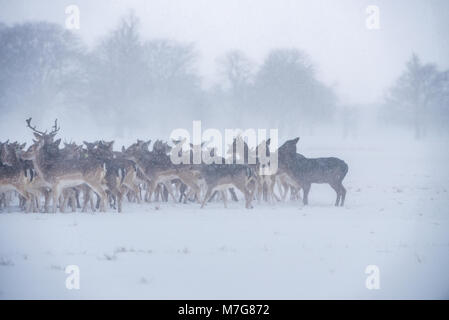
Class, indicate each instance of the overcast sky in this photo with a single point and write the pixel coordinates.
(360, 63)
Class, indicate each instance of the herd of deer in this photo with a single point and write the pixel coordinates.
(94, 175)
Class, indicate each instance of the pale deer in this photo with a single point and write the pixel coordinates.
(13, 175)
(156, 167)
(64, 174)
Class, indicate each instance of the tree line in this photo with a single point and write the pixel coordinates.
(125, 81)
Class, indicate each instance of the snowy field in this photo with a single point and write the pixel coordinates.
(396, 217)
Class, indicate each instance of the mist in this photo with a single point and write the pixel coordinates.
(146, 68)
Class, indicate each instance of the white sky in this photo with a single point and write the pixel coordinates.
(358, 62)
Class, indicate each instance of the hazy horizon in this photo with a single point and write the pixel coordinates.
(363, 63)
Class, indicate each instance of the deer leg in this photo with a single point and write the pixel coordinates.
(56, 194)
(259, 191)
(293, 193)
(343, 195)
(282, 189)
(78, 204)
(136, 191)
(65, 200)
(194, 189)
(85, 199)
(150, 190)
(206, 197)
(47, 196)
(306, 189)
(118, 196)
(102, 196)
(224, 195)
(214, 194)
(91, 200)
(169, 189)
(73, 201)
(273, 194)
(337, 191)
(157, 191)
(242, 188)
(29, 203)
(119, 201)
(37, 202)
(233, 195)
(165, 192)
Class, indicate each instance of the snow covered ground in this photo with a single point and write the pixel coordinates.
(396, 217)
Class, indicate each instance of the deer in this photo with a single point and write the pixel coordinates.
(266, 180)
(13, 174)
(156, 166)
(219, 177)
(306, 171)
(64, 174)
(120, 173)
(213, 155)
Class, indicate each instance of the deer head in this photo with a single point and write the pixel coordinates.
(40, 135)
(289, 147)
(12, 153)
(100, 149)
(33, 150)
(3, 152)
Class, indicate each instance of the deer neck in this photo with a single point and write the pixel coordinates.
(38, 161)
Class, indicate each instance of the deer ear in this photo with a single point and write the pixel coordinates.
(296, 140)
(268, 142)
(57, 142)
(23, 145)
(37, 135)
(88, 145)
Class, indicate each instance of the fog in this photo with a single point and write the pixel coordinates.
(305, 67)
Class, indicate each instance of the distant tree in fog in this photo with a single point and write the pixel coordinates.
(116, 74)
(419, 97)
(174, 80)
(441, 101)
(286, 89)
(37, 66)
(232, 95)
(349, 117)
(238, 71)
(130, 80)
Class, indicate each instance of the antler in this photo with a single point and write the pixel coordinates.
(28, 121)
(55, 127)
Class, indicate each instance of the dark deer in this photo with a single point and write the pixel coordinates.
(307, 171)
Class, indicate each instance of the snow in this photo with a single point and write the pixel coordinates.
(396, 217)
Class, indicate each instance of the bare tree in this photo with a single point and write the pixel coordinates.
(414, 97)
(38, 61)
